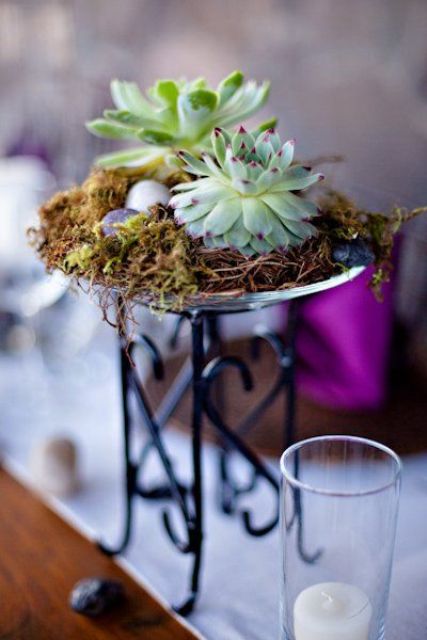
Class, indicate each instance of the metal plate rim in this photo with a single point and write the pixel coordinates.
(227, 302)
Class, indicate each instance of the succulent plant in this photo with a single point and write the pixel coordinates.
(174, 115)
(246, 196)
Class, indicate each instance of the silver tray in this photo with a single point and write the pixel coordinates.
(230, 302)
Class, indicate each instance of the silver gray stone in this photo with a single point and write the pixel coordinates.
(94, 596)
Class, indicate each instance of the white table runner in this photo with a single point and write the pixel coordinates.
(240, 575)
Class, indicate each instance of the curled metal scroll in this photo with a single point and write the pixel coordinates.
(210, 373)
(230, 490)
(176, 491)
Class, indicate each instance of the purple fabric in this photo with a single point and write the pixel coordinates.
(343, 346)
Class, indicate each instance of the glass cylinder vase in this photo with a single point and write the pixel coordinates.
(339, 505)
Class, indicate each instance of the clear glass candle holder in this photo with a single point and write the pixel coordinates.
(339, 506)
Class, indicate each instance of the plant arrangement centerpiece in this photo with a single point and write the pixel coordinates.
(203, 209)
(204, 206)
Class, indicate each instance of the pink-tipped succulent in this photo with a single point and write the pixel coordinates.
(247, 195)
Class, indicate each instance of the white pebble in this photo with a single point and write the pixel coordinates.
(147, 193)
(53, 466)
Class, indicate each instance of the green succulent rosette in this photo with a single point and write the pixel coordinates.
(173, 115)
(247, 195)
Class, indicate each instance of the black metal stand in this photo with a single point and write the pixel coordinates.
(200, 372)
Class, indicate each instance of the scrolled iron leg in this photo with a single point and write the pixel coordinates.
(282, 385)
(196, 527)
(130, 467)
(232, 440)
(229, 490)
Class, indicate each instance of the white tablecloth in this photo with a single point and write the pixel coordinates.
(239, 599)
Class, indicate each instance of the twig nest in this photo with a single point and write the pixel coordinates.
(147, 193)
(93, 596)
(111, 221)
(53, 465)
(354, 253)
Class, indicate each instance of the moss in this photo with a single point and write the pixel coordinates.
(149, 253)
(344, 220)
(150, 257)
(80, 258)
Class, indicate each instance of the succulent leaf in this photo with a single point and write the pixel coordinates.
(154, 137)
(106, 129)
(255, 217)
(178, 114)
(245, 196)
(281, 207)
(127, 119)
(212, 166)
(219, 145)
(165, 92)
(238, 235)
(198, 211)
(279, 236)
(261, 246)
(264, 126)
(244, 141)
(127, 96)
(228, 87)
(139, 156)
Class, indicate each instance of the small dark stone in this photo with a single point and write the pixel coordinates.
(93, 596)
(114, 217)
(354, 253)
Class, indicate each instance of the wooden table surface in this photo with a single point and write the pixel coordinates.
(41, 558)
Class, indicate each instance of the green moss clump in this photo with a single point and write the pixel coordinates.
(149, 256)
(343, 220)
(68, 218)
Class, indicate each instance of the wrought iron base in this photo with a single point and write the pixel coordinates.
(202, 369)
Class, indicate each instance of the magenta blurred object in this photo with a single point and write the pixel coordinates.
(344, 344)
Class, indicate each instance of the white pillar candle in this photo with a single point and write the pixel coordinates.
(332, 611)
